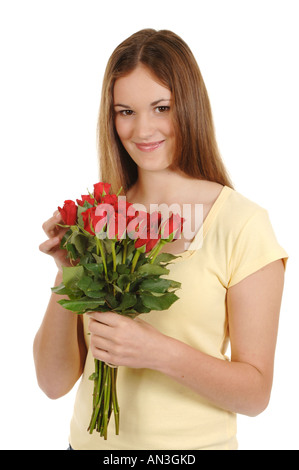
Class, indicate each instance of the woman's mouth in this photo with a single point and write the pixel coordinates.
(149, 146)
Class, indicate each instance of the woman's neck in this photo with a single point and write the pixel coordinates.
(166, 186)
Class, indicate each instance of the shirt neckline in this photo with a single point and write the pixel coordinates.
(198, 238)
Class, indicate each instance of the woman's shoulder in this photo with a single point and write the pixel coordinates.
(241, 204)
(239, 211)
(249, 235)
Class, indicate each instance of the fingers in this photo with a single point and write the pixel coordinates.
(107, 318)
(50, 226)
(49, 245)
(54, 233)
(121, 341)
(102, 338)
(99, 328)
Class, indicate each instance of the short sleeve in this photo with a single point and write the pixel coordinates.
(255, 247)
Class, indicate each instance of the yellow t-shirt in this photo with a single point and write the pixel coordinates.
(156, 412)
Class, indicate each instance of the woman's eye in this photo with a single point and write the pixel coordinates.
(162, 109)
(126, 112)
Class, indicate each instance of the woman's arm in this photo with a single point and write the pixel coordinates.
(59, 348)
(242, 385)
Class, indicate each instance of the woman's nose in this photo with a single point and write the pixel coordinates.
(144, 127)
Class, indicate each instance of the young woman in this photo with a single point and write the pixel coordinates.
(176, 387)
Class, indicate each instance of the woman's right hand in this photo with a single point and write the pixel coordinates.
(52, 245)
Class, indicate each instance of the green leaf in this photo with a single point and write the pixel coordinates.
(175, 285)
(65, 238)
(97, 258)
(85, 259)
(92, 288)
(152, 269)
(122, 269)
(111, 301)
(61, 289)
(81, 305)
(71, 276)
(84, 283)
(156, 285)
(128, 301)
(93, 294)
(94, 268)
(140, 308)
(80, 241)
(164, 258)
(72, 252)
(117, 289)
(97, 285)
(162, 302)
(130, 250)
(91, 240)
(123, 281)
(107, 245)
(114, 277)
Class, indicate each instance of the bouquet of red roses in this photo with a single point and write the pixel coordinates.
(114, 251)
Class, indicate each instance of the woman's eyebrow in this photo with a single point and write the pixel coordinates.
(154, 103)
(123, 105)
(159, 101)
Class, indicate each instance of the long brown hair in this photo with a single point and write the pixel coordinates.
(169, 58)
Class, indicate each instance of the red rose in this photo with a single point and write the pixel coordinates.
(116, 226)
(148, 243)
(136, 223)
(101, 189)
(87, 198)
(69, 212)
(110, 199)
(149, 232)
(122, 210)
(103, 213)
(172, 227)
(90, 219)
(113, 213)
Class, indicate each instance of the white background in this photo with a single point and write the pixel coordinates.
(53, 55)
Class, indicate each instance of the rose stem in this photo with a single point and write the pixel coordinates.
(115, 403)
(100, 247)
(125, 251)
(134, 262)
(98, 405)
(156, 250)
(107, 385)
(113, 256)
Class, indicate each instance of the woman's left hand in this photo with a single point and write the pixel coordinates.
(122, 341)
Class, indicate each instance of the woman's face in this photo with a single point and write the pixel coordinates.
(143, 119)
